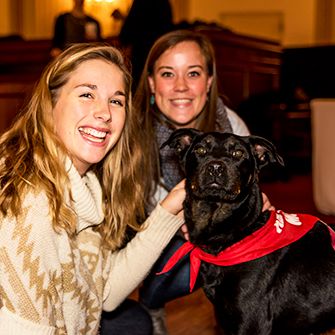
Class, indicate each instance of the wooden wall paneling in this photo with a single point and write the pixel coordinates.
(263, 80)
(232, 84)
(245, 65)
(13, 96)
(22, 61)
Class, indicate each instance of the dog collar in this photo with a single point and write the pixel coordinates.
(280, 230)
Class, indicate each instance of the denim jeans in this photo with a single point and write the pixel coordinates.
(159, 289)
(129, 318)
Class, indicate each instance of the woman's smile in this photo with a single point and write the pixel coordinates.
(180, 83)
(90, 112)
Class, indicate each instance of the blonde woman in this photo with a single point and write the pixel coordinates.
(71, 185)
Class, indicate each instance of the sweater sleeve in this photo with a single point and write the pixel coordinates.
(12, 324)
(27, 258)
(130, 265)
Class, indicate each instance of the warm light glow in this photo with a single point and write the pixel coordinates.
(102, 1)
(102, 11)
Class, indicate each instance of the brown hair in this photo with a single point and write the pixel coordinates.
(33, 156)
(207, 118)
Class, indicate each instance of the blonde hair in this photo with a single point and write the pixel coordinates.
(33, 156)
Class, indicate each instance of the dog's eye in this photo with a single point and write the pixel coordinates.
(201, 151)
(237, 153)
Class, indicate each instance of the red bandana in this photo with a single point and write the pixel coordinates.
(281, 230)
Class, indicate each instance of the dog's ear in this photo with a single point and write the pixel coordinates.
(264, 151)
(180, 140)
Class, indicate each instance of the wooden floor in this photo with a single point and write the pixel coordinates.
(193, 314)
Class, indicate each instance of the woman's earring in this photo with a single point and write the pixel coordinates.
(152, 99)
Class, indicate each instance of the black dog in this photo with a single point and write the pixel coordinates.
(273, 273)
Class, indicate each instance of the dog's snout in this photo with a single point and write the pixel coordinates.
(215, 169)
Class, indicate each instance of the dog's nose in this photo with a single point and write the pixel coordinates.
(215, 169)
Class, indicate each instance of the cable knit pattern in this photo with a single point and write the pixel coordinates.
(140, 254)
(50, 284)
(87, 196)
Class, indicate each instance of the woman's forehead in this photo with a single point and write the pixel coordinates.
(187, 52)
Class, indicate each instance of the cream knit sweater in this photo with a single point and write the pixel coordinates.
(50, 284)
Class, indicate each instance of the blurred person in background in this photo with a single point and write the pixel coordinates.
(147, 20)
(74, 27)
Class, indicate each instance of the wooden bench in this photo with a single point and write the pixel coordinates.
(245, 65)
(22, 61)
(13, 97)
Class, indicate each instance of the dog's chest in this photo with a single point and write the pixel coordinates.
(223, 282)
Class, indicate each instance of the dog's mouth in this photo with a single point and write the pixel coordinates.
(217, 180)
(214, 181)
(214, 184)
(217, 190)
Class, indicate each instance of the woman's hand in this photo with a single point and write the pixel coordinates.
(266, 203)
(184, 231)
(173, 202)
